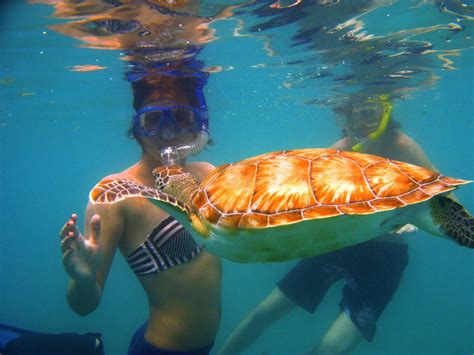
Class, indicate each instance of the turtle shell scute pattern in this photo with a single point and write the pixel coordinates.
(286, 187)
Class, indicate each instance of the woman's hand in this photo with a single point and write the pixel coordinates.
(81, 255)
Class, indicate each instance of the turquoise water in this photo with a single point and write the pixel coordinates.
(61, 131)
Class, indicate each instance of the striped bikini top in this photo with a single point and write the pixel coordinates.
(168, 245)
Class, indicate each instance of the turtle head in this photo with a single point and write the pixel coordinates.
(173, 180)
(164, 174)
(176, 182)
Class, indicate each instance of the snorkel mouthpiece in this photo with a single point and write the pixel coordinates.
(175, 155)
(170, 156)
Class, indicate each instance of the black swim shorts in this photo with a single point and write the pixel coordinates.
(139, 346)
(372, 271)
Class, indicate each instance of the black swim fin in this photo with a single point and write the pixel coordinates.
(17, 341)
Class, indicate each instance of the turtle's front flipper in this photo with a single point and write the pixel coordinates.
(452, 220)
(110, 191)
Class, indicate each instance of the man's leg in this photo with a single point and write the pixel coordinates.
(341, 338)
(267, 312)
(369, 288)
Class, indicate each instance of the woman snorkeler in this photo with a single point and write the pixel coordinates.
(181, 281)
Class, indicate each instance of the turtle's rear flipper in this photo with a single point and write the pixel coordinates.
(452, 220)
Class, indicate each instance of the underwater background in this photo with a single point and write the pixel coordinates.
(61, 130)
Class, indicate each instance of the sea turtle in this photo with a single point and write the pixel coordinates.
(298, 203)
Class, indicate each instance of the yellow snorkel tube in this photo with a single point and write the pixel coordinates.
(375, 135)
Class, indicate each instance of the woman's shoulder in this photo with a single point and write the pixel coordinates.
(201, 166)
(200, 169)
(127, 174)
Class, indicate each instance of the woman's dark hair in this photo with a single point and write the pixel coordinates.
(157, 87)
(176, 82)
(170, 82)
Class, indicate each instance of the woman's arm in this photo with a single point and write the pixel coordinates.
(87, 259)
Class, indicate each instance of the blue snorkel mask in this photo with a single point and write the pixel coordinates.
(150, 120)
